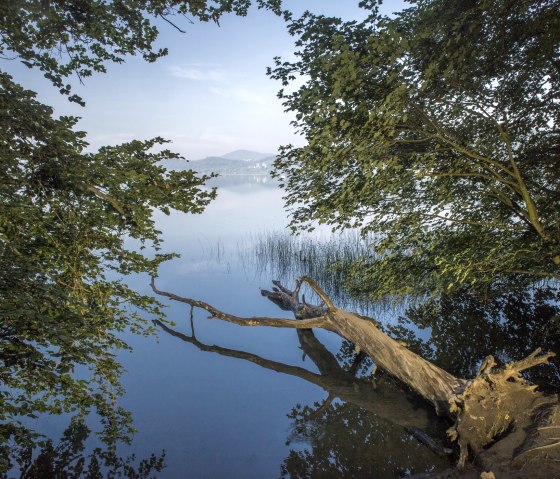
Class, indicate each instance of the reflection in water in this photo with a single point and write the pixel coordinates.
(244, 184)
(456, 331)
(464, 329)
(368, 429)
(70, 459)
(345, 441)
(369, 432)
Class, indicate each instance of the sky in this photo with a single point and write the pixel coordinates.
(209, 96)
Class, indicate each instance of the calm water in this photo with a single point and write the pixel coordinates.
(235, 402)
(219, 415)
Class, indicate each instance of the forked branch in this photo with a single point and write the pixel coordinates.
(318, 322)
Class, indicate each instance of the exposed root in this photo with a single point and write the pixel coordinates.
(492, 403)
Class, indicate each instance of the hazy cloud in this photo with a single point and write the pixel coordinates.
(242, 94)
(200, 73)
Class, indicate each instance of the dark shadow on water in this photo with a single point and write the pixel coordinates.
(464, 329)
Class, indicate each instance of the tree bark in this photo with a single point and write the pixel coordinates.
(431, 382)
(501, 420)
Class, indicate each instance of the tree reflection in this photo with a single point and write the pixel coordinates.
(373, 427)
(464, 329)
(71, 459)
(345, 440)
(365, 428)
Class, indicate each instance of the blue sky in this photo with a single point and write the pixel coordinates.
(209, 96)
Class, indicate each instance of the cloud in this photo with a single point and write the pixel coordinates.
(199, 73)
(242, 94)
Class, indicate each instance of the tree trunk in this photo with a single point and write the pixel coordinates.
(431, 382)
(500, 419)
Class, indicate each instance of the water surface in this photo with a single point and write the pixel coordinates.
(234, 401)
(225, 401)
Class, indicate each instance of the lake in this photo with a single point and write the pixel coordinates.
(220, 416)
(256, 402)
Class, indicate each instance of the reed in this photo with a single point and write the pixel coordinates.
(327, 259)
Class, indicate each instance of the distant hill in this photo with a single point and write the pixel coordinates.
(246, 155)
(239, 162)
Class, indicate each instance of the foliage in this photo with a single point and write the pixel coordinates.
(66, 216)
(63, 37)
(436, 129)
(74, 224)
(465, 329)
(68, 459)
(331, 434)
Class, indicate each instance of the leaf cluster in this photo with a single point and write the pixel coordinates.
(66, 37)
(69, 459)
(437, 130)
(73, 223)
(67, 220)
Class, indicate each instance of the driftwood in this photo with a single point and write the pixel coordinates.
(501, 421)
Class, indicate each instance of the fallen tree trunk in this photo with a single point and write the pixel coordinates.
(431, 382)
(496, 404)
(387, 402)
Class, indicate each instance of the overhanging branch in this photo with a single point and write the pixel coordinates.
(318, 322)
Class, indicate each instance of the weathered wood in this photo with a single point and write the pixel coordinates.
(431, 382)
(215, 313)
(502, 422)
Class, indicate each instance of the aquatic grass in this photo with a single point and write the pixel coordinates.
(327, 259)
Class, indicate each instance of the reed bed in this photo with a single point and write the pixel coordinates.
(327, 259)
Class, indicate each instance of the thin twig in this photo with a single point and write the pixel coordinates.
(172, 24)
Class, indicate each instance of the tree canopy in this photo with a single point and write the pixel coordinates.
(67, 37)
(436, 130)
(65, 217)
(74, 224)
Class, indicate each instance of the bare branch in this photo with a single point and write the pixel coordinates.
(315, 287)
(172, 24)
(295, 371)
(533, 359)
(324, 407)
(318, 322)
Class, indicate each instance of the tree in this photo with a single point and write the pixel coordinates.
(499, 418)
(66, 37)
(65, 215)
(435, 130)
